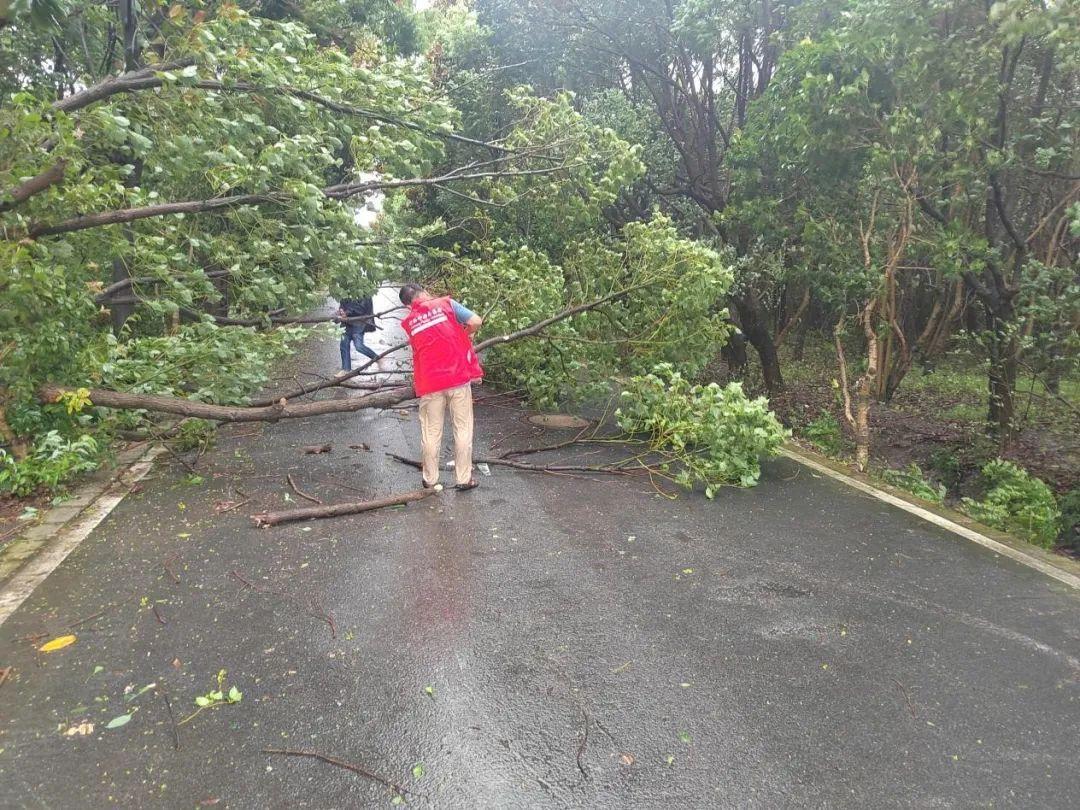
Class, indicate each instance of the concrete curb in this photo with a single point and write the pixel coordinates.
(28, 559)
(1061, 569)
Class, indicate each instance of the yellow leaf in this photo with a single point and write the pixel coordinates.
(57, 643)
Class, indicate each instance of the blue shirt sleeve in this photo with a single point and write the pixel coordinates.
(462, 313)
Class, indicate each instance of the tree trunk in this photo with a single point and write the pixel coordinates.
(756, 329)
(1004, 357)
(865, 388)
(734, 354)
(796, 318)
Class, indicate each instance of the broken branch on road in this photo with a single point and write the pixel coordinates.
(615, 468)
(300, 492)
(338, 509)
(340, 763)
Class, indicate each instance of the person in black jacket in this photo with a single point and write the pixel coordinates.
(355, 330)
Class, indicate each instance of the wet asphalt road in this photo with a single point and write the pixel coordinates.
(540, 642)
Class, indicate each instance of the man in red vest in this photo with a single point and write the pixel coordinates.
(444, 366)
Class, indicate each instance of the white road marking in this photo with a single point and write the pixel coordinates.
(39, 567)
(969, 534)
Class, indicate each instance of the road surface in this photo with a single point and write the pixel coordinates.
(542, 641)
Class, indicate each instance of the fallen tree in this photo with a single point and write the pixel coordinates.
(280, 407)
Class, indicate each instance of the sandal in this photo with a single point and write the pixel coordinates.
(473, 484)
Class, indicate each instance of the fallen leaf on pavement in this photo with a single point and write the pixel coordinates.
(116, 722)
(315, 449)
(626, 759)
(81, 730)
(57, 643)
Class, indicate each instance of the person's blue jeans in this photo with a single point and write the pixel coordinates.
(354, 336)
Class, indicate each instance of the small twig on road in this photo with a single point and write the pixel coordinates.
(157, 615)
(319, 612)
(907, 697)
(172, 717)
(157, 437)
(340, 763)
(333, 482)
(584, 741)
(311, 606)
(232, 506)
(299, 491)
(101, 612)
(5, 673)
(168, 569)
(235, 575)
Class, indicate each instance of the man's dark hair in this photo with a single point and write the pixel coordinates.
(409, 292)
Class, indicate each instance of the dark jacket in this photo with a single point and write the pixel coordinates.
(357, 308)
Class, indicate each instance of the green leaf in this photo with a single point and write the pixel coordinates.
(418, 770)
(235, 695)
(121, 720)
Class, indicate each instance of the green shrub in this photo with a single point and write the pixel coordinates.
(948, 467)
(708, 434)
(54, 460)
(1069, 534)
(1016, 501)
(911, 479)
(824, 433)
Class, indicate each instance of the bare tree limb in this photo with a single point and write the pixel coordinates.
(150, 78)
(338, 509)
(528, 331)
(34, 185)
(340, 191)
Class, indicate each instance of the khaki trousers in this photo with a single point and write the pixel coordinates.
(432, 409)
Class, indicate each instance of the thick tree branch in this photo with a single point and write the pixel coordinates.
(528, 331)
(340, 191)
(141, 79)
(282, 408)
(150, 78)
(35, 185)
(338, 509)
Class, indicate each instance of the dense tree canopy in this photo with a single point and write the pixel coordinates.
(177, 177)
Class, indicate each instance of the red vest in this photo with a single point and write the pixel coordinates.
(443, 355)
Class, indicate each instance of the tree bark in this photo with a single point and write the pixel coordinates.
(35, 185)
(341, 191)
(338, 509)
(239, 413)
(755, 327)
(795, 318)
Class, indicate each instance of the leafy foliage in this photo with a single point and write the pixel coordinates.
(911, 479)
(824, 432)
(54, 460)
(1069, 505)
(62, 315)
(1016, 501)
(669, 314)
(712, 435)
